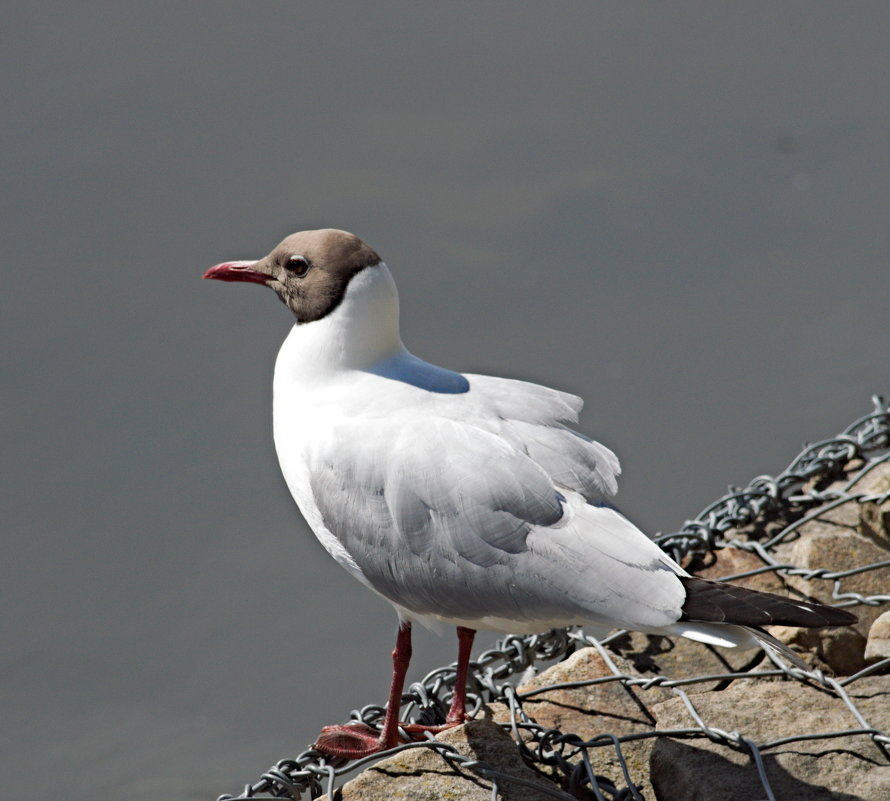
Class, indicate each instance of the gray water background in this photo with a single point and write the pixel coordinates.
(678, 211)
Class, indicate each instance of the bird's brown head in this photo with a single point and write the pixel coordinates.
(309, 270)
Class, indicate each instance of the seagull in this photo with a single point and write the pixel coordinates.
(462, 499)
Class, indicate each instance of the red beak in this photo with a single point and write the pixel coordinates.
(237, 271)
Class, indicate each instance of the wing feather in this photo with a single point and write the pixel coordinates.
(536, 420)
(450, 520)
(521, 400)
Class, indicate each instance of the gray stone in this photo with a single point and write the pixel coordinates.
(596, 709)
(592, 709)
(842, 649)
(878, 645)
(847, 768)
(730, 561)
(421, 774)
(838, 651)
(827, 545)
(679, 658)
(848, 536)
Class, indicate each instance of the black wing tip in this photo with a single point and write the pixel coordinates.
(842, 616)
(716, 602)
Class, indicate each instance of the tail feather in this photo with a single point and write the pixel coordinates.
(777, 648)
(716, 602)
(733, 636)
(727, 635)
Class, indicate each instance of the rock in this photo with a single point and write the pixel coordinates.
(842, 650)
(878, 645)
(421, 774)
(679, 658)
(805, 641)
(730, 561)
(839, 651)
(874, 523)
(591, 709)
(830, 546)
(848, 536)
(849, 768)
(597, 709)
(845, 537)
(869, 514)
(875, 481)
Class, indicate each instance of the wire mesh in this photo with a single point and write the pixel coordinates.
(764, 519)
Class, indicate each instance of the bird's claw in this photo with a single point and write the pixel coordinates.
(358, 740)
(352, 741)
(416, 731)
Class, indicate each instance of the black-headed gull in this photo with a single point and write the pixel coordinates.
(462, 499)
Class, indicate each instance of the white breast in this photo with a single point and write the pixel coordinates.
(318, 378)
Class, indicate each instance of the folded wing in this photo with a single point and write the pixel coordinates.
(493, 515)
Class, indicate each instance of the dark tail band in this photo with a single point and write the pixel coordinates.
(715, 602)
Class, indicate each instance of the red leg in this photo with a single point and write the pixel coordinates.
(357, 740)
(458, 711)
(401, 657)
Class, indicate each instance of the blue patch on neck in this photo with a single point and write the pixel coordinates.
(410, 370)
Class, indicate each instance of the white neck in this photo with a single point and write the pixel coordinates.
(361, 331)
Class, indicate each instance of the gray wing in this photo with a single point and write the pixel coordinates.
(431, 488)
(447, 519)
(536, 420)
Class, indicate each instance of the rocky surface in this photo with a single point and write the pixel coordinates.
(597, 709)
(679, 658)
(733, 561)
(845, 537)
(849, 768)
(839, 651)
(845, 768)
(878, 644)
(831, 543)
(421, 774)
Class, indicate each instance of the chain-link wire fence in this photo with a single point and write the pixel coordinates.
(779, 528)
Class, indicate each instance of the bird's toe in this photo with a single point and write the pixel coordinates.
(352, 741)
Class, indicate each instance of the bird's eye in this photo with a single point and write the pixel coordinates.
(298, 265)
